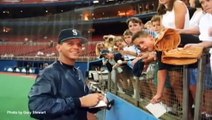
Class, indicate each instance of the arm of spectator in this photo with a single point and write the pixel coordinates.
(180, 11)
(127, 52)
(116, 65)
(148, 56)
(193, 30)
(204, 44)
(160, 86)
(136, 60)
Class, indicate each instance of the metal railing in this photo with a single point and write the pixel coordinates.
(181, 109)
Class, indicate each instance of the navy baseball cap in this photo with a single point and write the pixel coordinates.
(68, 34)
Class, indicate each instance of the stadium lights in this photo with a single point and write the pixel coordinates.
(6, 12)
(95, 1)
(6, 29)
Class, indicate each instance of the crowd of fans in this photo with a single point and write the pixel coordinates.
(132, 56)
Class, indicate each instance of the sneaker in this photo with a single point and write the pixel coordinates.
(121, 91)
(133, 96)
(141, 99)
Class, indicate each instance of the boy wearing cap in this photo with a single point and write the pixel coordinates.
(60, 91)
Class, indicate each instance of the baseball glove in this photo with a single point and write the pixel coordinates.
(182, 56)
(168, 39)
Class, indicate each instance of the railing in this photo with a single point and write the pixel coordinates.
(179, 102)
(43, 58)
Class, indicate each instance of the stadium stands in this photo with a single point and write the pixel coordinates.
(20, 50)
(28, 39)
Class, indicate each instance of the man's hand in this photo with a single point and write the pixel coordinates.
(91, 100)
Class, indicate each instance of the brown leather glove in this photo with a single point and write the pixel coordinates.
(182, 56)
(168, 39)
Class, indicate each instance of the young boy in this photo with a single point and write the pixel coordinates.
(156, 23)
(146, 43)
(130, 52)
(112, 62)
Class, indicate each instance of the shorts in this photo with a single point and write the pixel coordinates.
(163, 66)
(193, 76)
(208, 77)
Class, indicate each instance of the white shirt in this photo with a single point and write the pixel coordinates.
(205, 25)
(132, 48)
(194, 21)
(168, 19)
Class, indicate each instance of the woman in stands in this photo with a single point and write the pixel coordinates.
(205, 30)
(198, 13)
(175, 15)
(135, 25)
(190, 35)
